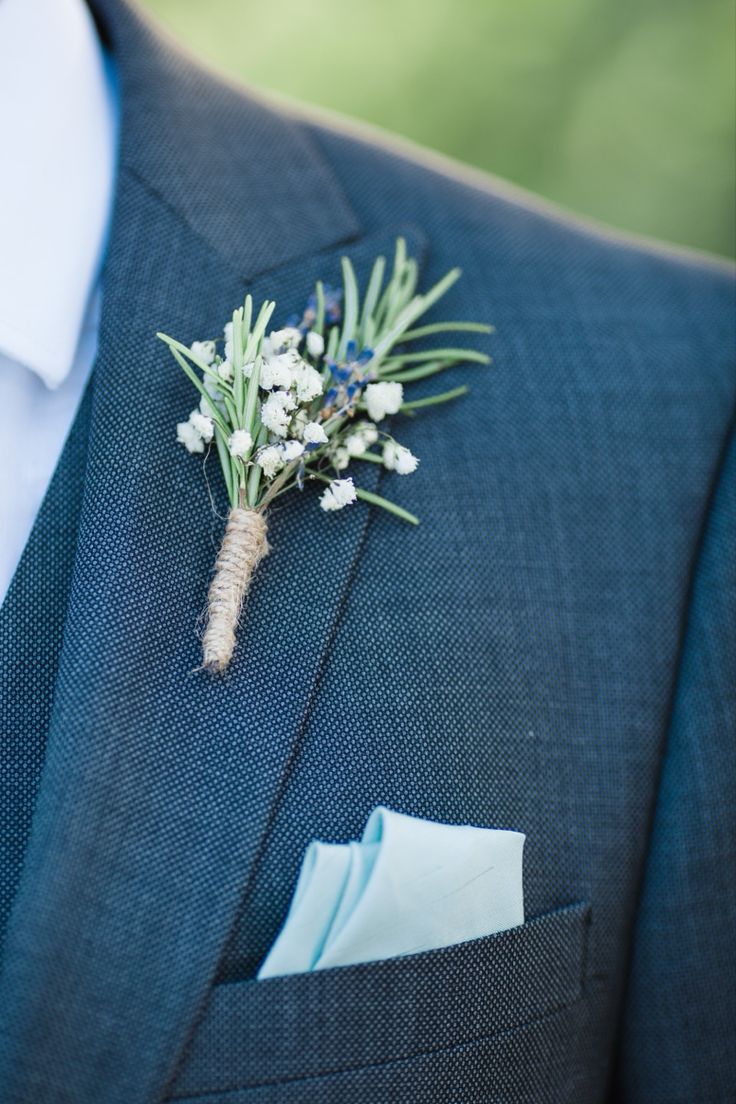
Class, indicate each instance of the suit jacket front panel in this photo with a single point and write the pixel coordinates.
(510, 663)
(513, 661)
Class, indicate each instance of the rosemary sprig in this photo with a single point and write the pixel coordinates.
(287, 408)
(302, 404)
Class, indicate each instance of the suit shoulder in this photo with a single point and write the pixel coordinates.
(540, 261)
(381, 172)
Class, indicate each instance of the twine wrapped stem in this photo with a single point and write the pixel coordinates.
(243, 547)
(280, 408)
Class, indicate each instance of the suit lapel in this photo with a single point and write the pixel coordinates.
(159, 782)
(31, 628)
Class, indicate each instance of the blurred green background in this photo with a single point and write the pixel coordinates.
(620, 109)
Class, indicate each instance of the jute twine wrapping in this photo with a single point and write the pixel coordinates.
(243, 547)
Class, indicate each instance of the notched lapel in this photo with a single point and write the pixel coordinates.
(160, 781)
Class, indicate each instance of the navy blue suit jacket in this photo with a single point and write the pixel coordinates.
(552, 650)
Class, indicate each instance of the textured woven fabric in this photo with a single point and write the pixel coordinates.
(530, 1066)
(31, 626)
(350, 1016)
(512, 662)
(682, 979)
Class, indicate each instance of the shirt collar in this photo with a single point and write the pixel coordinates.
(58, 123)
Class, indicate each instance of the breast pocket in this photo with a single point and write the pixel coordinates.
(489, 1020)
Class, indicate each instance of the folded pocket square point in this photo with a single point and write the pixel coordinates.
(408, 885)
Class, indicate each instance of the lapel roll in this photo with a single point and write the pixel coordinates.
(32, 621)
(159, 783)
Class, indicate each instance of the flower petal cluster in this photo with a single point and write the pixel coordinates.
(289, 384)
(196, 432)
(204, 350)
(271, 460)
(276, 371)
(399, 459)
(240, 444)
(308, 382)
(313, 433)
(382, 399)
(288, 338)
(315, 344)
(276, 411)
(363, 435)
(289, 404)
(341, 492)
(292, 450)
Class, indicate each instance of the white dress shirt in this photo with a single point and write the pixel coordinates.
(58, 132)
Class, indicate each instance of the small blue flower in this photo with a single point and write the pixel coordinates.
(333, 298)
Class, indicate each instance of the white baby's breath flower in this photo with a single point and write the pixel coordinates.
(340, 459)
(406, 461)
(308, 382)
(315, 344)
(382, 399)
(275, 412)
(363, 435)
(188, 435)
(275, 419)
(341, 492)
(389, 455)
(204, 350)
(368, 432)
(285, 398)
(276, 372)
(271, 460)
(239, 443)
(203, 424)
(399, 459)
(225, 371)
(354, 444)
(292, 450)
(314, 434)
(287, 338)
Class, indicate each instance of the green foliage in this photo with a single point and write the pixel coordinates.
(365, 346)
(617, 109)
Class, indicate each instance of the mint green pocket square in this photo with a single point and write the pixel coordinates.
(409, 885)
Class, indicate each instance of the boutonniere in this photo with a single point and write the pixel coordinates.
(301, 404)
